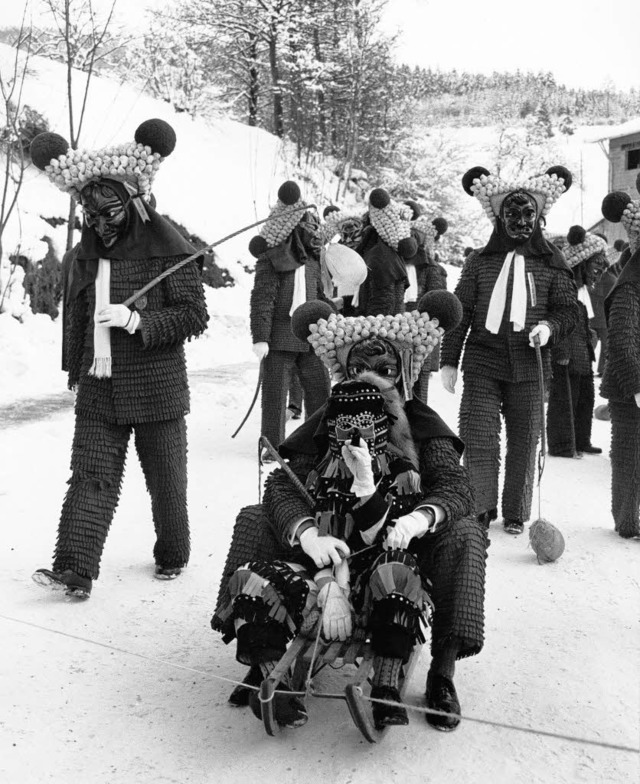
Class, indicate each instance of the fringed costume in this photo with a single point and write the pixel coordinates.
(128, 380)
(621, 385)
(508, 289)
(287, 274)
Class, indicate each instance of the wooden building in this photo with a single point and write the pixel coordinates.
(623, 151)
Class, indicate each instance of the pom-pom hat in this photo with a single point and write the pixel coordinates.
(283, 218)
(491, 189)
(392, 221)
(135, 163)
(619, 207)
(414, 334)
(582, 245)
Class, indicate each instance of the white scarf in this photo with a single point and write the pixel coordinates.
(498, 300)
(101, 365)
(585, 298)
(411, 293)
(299, 289)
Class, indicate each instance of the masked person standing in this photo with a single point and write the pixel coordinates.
(516, 290)
(127, 364)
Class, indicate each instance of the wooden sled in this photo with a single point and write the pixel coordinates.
(356, 652)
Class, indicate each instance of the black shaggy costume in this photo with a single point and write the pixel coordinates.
(270, 321)
(147, 393)
(500, 370)
(620, 384)
(571, 387)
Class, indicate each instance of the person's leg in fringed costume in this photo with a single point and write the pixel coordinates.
(583, 416)
(315, 381)
(480, 426)
(560, 435)
(454, 560)
(523, 421)
(269, 605)
(97, 464)
(162, 449)
(275, 386)
(395, 629)
(625, 468)
(294, 404)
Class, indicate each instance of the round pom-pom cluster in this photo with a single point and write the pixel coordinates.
(614, 205)
(258, 246)
(47, 146)
(414, 332)
(442, 305)
(379, 198)
(392, 221)
(158, 135)
(581, 250)
(416, 209)
(490, 189)
(285, 216)
(307, 314)
(576, 235)
(289, 192)
(546, 541)
(440, 225)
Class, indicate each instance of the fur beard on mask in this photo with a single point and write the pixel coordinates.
(399, 430)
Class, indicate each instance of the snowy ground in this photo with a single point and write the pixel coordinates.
(125, 687)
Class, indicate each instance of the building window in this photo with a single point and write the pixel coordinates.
(633, 159)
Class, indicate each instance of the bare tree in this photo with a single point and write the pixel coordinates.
(11, 135)
(81, 40)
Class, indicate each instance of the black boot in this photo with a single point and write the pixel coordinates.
(513, 526)
(239, 697)
(289, 711)
(441, 696)
(388, 715)
(73, 584)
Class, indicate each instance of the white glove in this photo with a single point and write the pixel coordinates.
(358, 460)
(115, 316)
(449, 376)
(543, 331)
(260, 349)
(408, 527)
(336, 618)
(323, 550)
(637, 397)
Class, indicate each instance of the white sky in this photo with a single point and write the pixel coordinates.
(582, 42)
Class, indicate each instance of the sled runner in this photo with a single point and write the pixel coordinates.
(303, 653)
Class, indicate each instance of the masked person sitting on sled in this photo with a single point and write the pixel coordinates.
(390, 493)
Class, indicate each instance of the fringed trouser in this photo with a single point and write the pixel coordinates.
(484, 400)
(97, 464)
(278, 366)
(561, 440)
(625, 467)
(454, 561)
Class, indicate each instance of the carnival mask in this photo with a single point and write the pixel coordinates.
(355, 411)
(377, 355)
(519, 215)
(104, 211)
(593, 269)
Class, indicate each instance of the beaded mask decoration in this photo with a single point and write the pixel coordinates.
(491, 189)
(582, 245)
(287, 213)
(135, 163)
